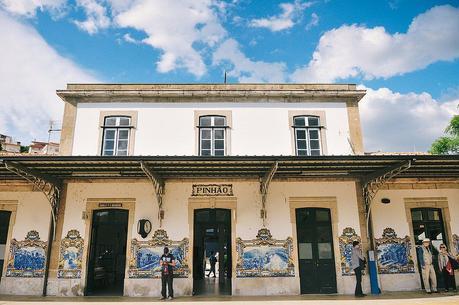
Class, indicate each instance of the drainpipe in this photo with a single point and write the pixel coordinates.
(48, 254)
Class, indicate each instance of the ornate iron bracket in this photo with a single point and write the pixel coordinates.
(264, 185)
(373, 183)
(159, 187)
(49, 186)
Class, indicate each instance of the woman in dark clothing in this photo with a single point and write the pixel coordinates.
(446, 268)
(356, 258)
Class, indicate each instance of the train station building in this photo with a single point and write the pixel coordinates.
(272, 178)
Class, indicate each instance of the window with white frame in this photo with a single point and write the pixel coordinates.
(212, 135)
(115, 140)
(307, 135)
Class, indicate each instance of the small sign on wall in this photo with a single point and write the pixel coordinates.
(212, 190)
(110, 205)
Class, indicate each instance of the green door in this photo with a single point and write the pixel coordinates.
(315, 251)
(107, 252)
(4, 225)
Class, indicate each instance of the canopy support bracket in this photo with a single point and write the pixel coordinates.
(158, 186)
(373, 183)
(49, 186)
(264, 186)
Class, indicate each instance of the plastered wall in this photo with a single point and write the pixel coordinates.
(32, 213)
(170, 129)
(394, 215)
(176, 221)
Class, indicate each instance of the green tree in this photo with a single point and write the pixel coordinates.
(24, 149)
(448, 144)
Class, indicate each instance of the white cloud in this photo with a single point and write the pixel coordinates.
(177, 28)
(29, 7)
(30, 73)
(287, 18)
(128, 38)
(96, 16)
(313, 22)
(246, 70)
(353, 50)
(395, 122)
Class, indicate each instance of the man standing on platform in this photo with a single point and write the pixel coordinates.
(426, 261)
(167, 263)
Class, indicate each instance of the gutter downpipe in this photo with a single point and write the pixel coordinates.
(51, 238)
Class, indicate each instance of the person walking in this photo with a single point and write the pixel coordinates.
(213, 262)
(426, 261)
(167, 264)
(446, 268)
(357, 264)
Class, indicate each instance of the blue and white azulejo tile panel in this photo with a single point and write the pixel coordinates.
(145, 256)
(264, 256)
(394, 253)
(27, 258)
(71, 256)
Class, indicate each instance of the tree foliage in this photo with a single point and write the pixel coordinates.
(448, 144)
(24, 149)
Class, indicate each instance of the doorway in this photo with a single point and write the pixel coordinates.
(4, 226)
(107, 256)
(315, 251)
(428, 223)
(212, 242)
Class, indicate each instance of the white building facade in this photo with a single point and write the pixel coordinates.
(270, 177)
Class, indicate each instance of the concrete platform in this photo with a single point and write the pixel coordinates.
(400, 298)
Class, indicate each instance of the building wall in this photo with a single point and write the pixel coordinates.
(384, 217)
(170, 128)
(178, 224)
(32, 213)
(137, 195)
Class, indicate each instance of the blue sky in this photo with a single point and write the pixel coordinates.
(404, 52)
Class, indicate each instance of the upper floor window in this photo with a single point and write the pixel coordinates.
(116, 131)
(212, 135)
(307, 135)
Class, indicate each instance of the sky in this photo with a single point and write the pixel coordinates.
(404, 53)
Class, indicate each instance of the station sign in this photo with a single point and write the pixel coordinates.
(212, 190)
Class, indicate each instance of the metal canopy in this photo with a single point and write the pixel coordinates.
(171, 167)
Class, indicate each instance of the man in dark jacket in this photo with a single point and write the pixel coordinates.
(213, 261)
(167, 263)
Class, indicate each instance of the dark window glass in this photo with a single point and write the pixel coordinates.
(300, 121)
(313, 121)
(416, 215)
(433, 215)
(205, 121)
(322, 215)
